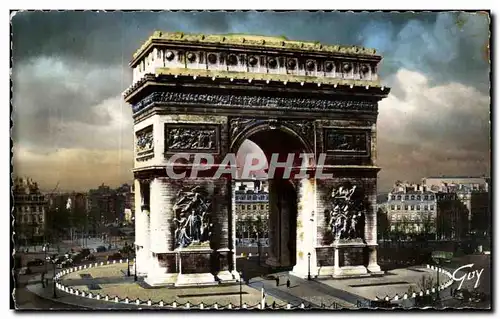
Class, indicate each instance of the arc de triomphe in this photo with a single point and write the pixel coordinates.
(207, 94)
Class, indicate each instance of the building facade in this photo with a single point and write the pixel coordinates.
(452, 208)
(252, 209)
(412, 209)
(30, 208)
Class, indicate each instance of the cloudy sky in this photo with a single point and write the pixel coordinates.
(69, 69)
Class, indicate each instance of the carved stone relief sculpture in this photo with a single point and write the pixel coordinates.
(191, 138)
(192, 217)
(344, 141)
(346, 217)
(144, 143)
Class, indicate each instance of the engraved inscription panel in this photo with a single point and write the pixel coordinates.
(192, 138)
(347, 142)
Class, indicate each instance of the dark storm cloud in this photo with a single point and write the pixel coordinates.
(71, 67)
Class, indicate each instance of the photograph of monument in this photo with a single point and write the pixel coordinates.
(205, 160)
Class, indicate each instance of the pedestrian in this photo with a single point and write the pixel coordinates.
(274, 304)
(288, 283)
(277, 281)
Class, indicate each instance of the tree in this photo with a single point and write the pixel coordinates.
(382, 223)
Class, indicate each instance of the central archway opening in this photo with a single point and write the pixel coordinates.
(266, 207)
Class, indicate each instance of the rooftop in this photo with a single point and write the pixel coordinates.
(249, 40)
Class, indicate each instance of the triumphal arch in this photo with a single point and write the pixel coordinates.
(205, 94)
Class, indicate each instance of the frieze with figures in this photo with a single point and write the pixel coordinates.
(294, 103)
(189, 137)
(346, 216)
(192, 219)
(144, 143)
(346, 141)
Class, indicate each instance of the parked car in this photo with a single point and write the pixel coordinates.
(115, 256)
(36, 262)
(25, 271)
(100, 249)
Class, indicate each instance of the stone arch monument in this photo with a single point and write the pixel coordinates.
(207, 94)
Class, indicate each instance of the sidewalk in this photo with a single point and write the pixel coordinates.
(310, 293)
(79, 302)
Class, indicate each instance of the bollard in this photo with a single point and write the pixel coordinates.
(413, 295)
(201, 305)
(230, 306)
(188, 305)
(126, 300)
(161, 303)
(114, 261)
(149, 302)
(137, 302)
(288, 306)
(302, 306)
(116, 299)
(98, 297)
(120, 261)
(106, 298)
(244, 306)
(405, 296)
(174, 304)
(216, 306)
(433, 290)
(396, 297)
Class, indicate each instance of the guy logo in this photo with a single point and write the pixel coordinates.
(469, 275)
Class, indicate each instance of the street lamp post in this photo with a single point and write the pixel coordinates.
(241, 290)
(45, 248)
(308, 266)
(53, 261)
(135, 268)
(437, 288)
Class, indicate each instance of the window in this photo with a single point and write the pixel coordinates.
(425, 207)
(399, 207)
(412, 197)
(407, 197)
(261, 207)
(406, 207)
(411, 207)
(393, 228)
(267, 206)
(418, 197)
(249, 206)
(418, 207)
(249, 197)
(426, 197)
(393, 217)
(392, 197)
(431, 197)
(431, 207)
(242, 207)
(399, 197)
(392, 207)
(254, 197)
(254, 207)
(412, 217)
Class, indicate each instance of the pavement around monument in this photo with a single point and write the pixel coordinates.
(396, 281)
(111, 280)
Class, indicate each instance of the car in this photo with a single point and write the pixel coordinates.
(115, 256)
(36, 262)
(90, 257)
(100, 249)
(25, 271)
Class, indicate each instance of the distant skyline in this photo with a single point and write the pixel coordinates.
(69, 69)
